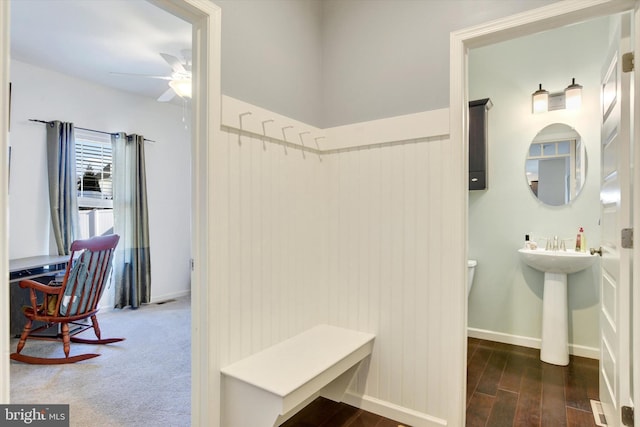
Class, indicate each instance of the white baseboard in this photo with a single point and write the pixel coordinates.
(392, 411)
(166, 297)
(107, 306)
(576, 350)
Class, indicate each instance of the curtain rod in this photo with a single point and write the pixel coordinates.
(90, 130)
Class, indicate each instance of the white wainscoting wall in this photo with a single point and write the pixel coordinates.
(351, 236)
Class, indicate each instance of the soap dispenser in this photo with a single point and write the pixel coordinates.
(580, 243)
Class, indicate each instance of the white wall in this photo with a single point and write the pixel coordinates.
(387, 58)
(271, 55)
(335, 62)
(506, 299)
(42, 94)
(353, 238)
(386, 270)
(273, 240)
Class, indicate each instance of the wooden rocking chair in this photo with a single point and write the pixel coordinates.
(74, 300)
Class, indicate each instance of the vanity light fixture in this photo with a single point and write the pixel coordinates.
(571, 98)
(540, 100)
(573, 95)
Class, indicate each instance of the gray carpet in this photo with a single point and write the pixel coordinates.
(142, 381)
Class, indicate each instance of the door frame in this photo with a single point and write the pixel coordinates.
(545, 18)
(205, 18)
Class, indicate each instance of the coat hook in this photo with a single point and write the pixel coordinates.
(318, 145)
(247, 113)
(284, 137)
(264, 132)
(302, 142)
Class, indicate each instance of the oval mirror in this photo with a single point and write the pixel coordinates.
(556, 165)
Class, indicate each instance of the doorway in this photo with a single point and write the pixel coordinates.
(552, 17)
(205, 19)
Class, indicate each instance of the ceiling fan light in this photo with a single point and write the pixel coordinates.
(181, 87)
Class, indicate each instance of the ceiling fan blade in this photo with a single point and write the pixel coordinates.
(175, 63)
(146, 76)
(167, 96)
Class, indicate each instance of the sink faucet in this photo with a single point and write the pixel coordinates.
(555, 244)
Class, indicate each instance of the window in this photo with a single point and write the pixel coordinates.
(93, 169)
(93, 181)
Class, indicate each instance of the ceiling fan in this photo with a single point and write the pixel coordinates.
(179, 80)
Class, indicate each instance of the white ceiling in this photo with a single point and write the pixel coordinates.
(90, 39)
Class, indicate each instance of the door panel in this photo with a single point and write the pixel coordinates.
(616, 203)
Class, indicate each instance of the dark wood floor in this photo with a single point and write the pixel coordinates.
(327, 413)
(509, 386)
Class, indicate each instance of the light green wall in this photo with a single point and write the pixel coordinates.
(507, 295)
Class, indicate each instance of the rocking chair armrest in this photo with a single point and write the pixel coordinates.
(51, 296)
(33, 285)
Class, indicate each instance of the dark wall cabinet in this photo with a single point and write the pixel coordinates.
(478, 112)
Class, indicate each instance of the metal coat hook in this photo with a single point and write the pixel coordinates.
(264, 132)
(284, 137)
(302, 142)
(318, 146)
(240, 116)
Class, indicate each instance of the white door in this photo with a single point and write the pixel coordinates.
(616, 214)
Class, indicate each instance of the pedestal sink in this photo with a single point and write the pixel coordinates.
(555, 322)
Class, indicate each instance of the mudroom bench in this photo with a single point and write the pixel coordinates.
(268, 387)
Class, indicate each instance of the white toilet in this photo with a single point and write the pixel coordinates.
(471, 268)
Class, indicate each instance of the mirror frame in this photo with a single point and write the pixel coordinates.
(582, 168)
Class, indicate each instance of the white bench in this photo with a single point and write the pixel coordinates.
(267, 388)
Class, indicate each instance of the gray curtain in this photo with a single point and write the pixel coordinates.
(132, 266)
(63, 197)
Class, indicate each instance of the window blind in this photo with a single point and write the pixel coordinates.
(93, 169)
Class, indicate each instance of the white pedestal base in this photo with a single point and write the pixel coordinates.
(555, 320)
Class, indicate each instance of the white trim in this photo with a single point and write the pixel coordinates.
(170, 296)
(5, 18)
(635, 303)
(243, 118)
(424, 124)
(392, 411)
(533, 21)
(483, 334)
(205, 18)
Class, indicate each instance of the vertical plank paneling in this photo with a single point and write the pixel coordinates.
(384, 344)
(354, 258)
(437, 281)
(235, 335)
(245, 240)
(385, 235)
(364, 240)
(375, 259)
(396, 363)
(273, 274)
(255, 277)
(422, 240)
(354, 240)
(410, 307)
(333, 196)
(345, 206)
(221, 228)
